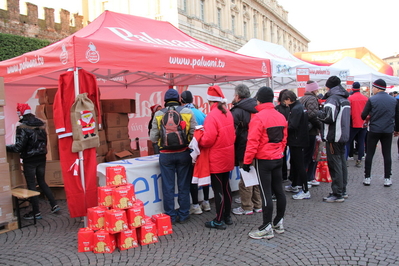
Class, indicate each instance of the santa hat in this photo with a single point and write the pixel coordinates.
(85, 112)
(23, 109)
(154, 108)
(215, 94)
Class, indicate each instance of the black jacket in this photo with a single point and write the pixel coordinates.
(31, 139)
(298, 132)
(242, 112)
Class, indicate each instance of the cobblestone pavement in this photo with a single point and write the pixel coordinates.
(363, 230)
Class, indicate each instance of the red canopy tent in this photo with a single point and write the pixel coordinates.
(127, 54)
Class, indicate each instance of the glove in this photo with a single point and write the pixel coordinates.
(245, 167)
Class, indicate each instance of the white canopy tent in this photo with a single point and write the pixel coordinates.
(363, 73)
(284, 64)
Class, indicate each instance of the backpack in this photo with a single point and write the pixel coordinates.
(172, 131)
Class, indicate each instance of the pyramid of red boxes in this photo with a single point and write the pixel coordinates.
(119, 220)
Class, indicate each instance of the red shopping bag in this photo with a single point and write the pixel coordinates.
(322, 173)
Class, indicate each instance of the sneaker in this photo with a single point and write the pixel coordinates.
(345, 195)
(55, 209)
(241, 211)
(333, 198)
(387, 182)
(258, 210)
(367, 181)
(265, 233)
(238, 200)
(206, 206)
(195, 209)
(279, 228)
(228, 220)
(301, 195)
(183, 221)
(274, 198)
(291, 189)
(314, 183)
(329, 195)
(29, 216)
(216, 225)
(358, 163)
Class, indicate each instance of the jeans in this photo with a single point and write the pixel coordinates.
(361, 138)
(386, 144)
(270, 180)
(176, 165)
(337, 166)
(34, 171)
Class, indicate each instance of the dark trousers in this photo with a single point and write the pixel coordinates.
(221, 188)
(360, 134)
(298, 171)
(337, 166)
(270, 180)
(386, 144)
(34, 171)
(194, 193)
(310, 164)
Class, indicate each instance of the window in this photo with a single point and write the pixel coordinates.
(202, 9)
(233, 24)
(185, 5)
(219, 14)
(245, 30)
(255, 28)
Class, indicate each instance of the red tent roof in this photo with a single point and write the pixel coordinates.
(127, 50)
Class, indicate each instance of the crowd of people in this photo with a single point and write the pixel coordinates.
(257, 132)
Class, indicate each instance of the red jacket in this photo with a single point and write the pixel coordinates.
(358, 101)
(267, 134)
(219, 137)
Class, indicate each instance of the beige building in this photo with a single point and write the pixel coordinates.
(228, 24)
(393, 61)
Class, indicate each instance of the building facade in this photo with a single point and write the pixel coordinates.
(228, 24)
(393, 61)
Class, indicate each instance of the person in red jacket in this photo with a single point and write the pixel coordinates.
(358, 102)
(219, 137)
(267, 139)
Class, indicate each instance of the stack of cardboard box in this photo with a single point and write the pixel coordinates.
(116, 130)
(6, 207)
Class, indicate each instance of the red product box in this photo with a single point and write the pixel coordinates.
(115, 221)
(163, 224)
(123, 197)
(147, 234)
(127, 239)
(105, 196)
(85, 239)
(104, 242)
(135, 215)
(115, 176)
(95, 217)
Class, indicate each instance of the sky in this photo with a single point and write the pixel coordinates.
(341, 24)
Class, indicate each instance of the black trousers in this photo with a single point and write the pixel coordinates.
(386, 145)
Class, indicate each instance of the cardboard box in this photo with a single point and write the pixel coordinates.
(5, 182)
(100, 159)
(118, 106)
(3, 151)
(128, 154)
(119, 145)
(6, 207)
(116, 120)
(59, 193)
(117, 133)
(103, 148)
(2, 122)
(44, 111)
(2, 92)
(46, 95)
(50, 127)
(52, 147)
(17, 178)
(53, 175)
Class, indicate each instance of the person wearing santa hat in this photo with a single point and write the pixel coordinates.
(219, 137)
(31, 144)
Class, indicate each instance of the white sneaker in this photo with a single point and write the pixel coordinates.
(387, 182)
(258, 210)
(241, 211)
(291, 189)
(265, 233)
(279, 228)
(367, 181)
(238, 200)
(206, 206)
(301, 195)
(195, 209)
(314, 183)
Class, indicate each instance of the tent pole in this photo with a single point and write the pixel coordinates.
(80, 153)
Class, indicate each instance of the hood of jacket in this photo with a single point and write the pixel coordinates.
(247, 104)
(31, 121)
(337, 90)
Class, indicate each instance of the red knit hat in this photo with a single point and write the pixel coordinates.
(215, 94)
(23, 109)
